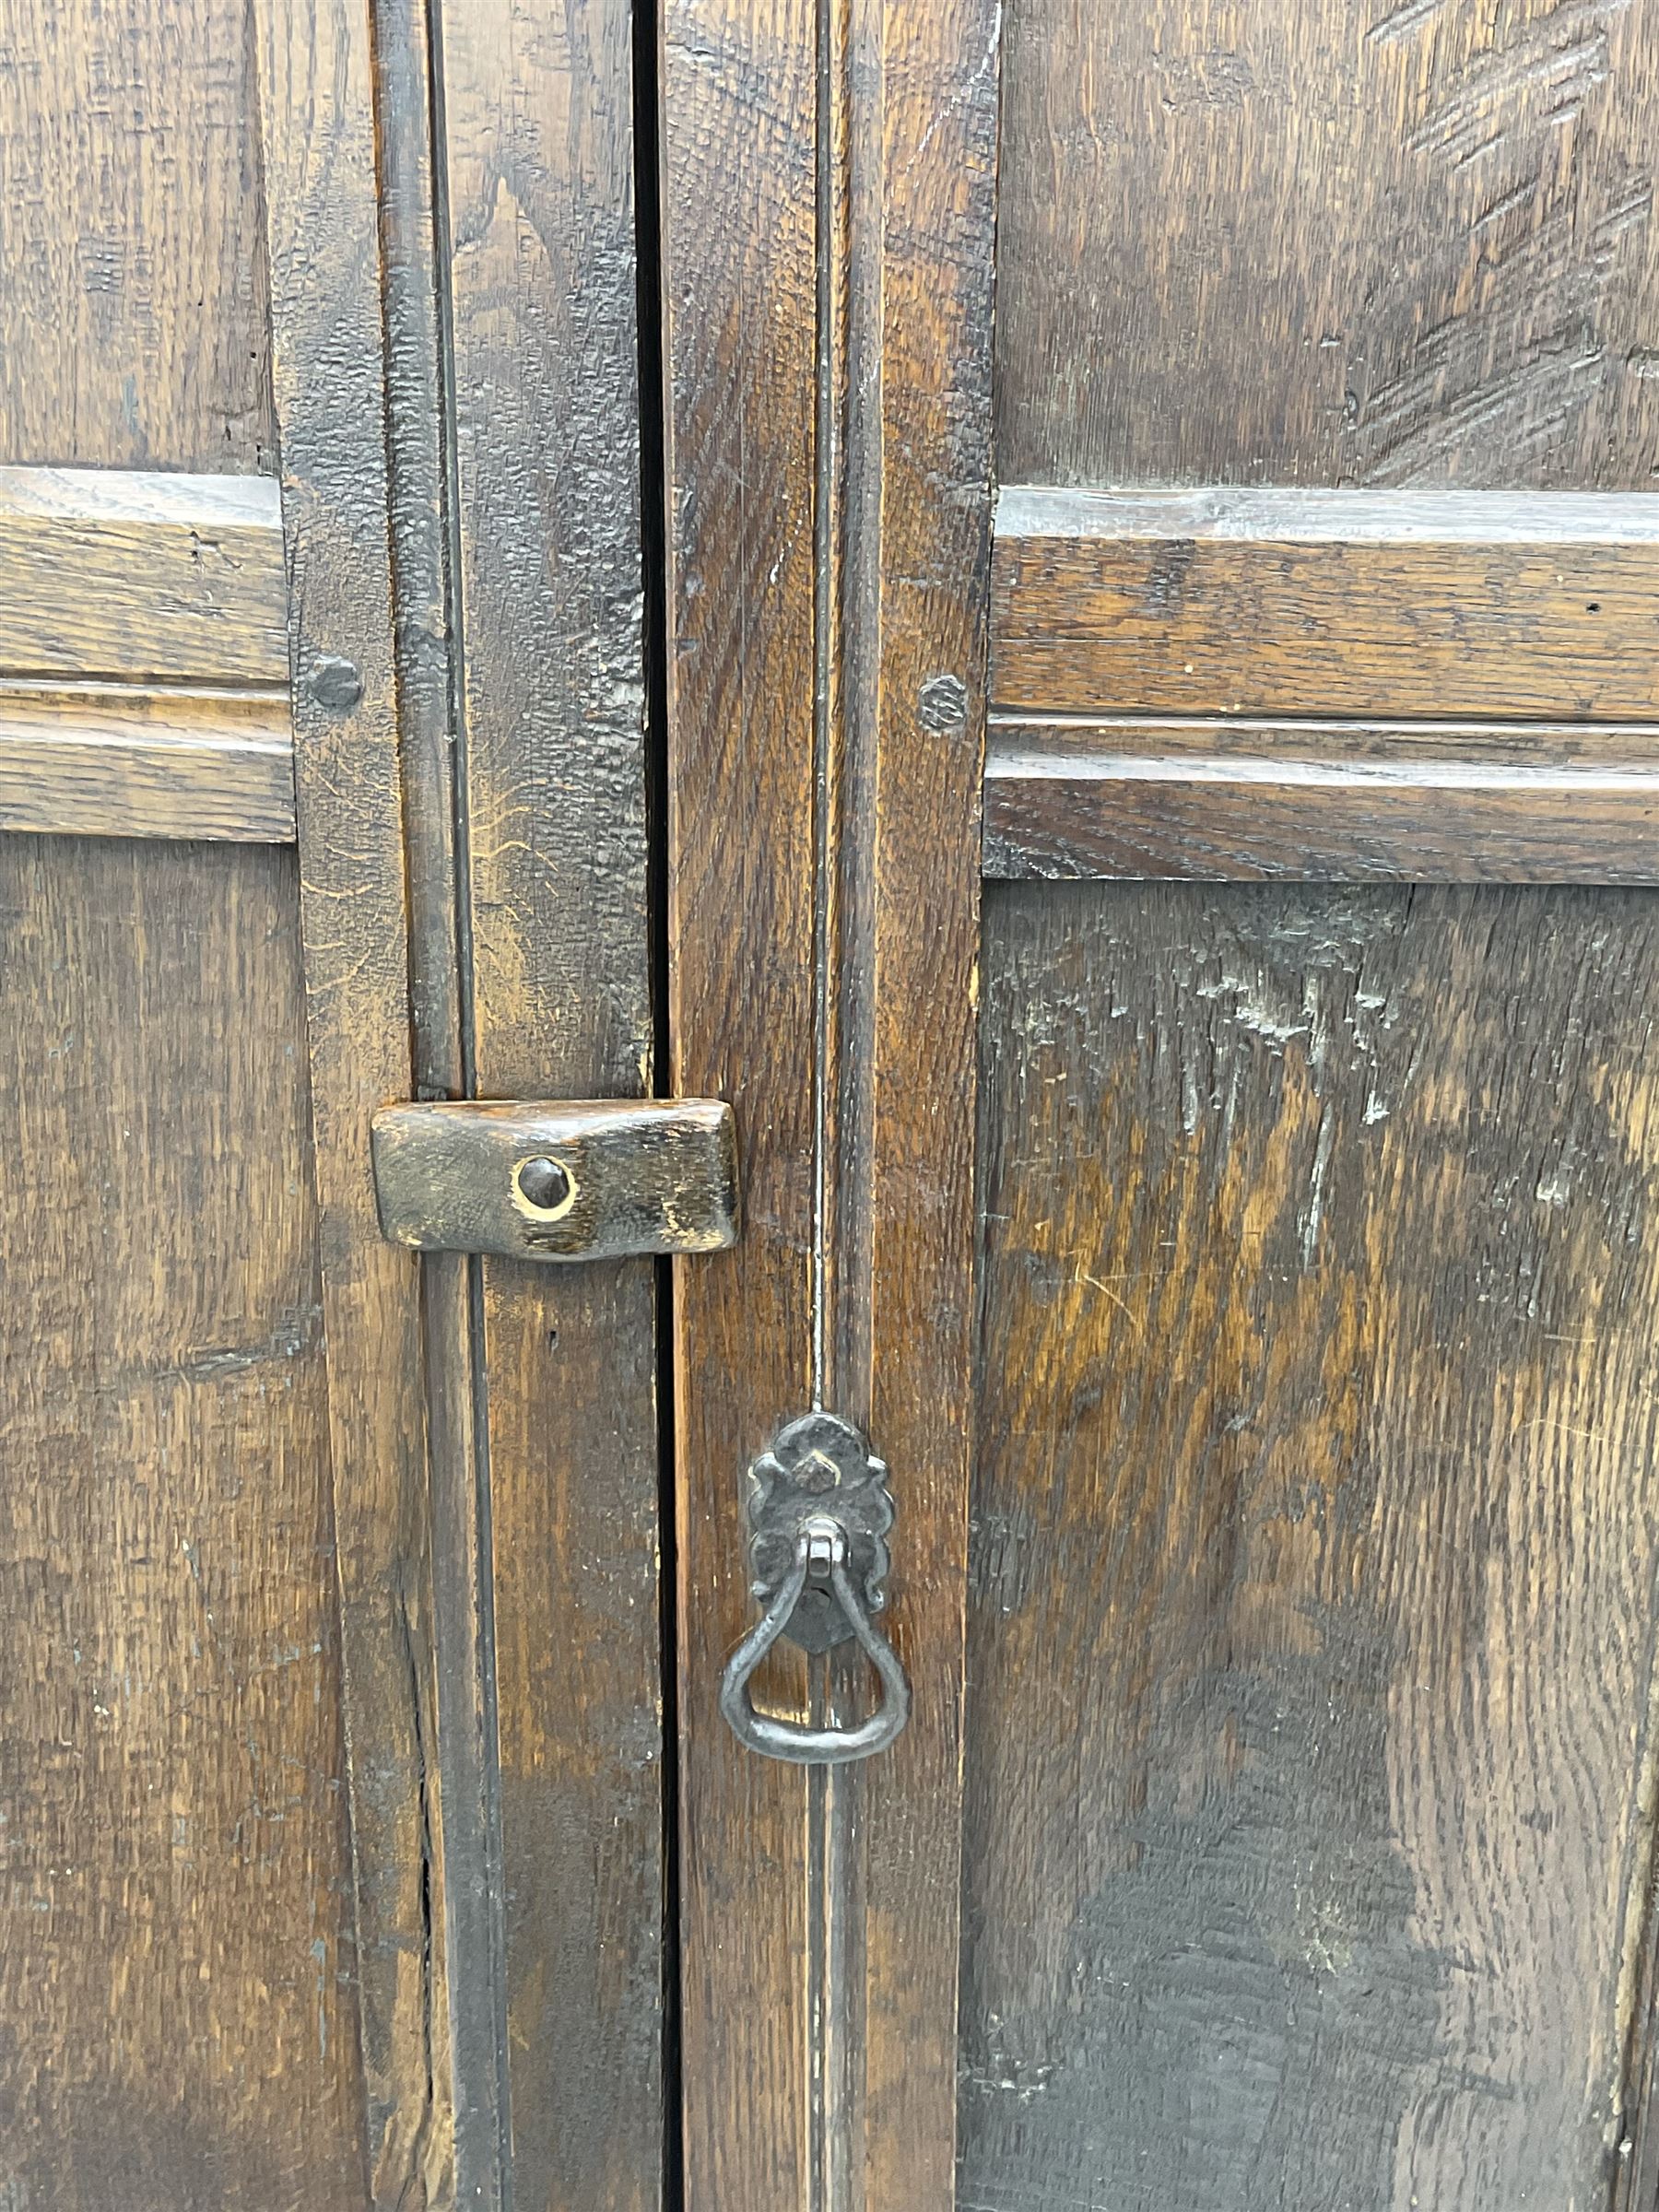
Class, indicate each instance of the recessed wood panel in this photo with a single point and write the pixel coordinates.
(135, 320)
(1328, 242)
(1316, 1531)
(178, 2028)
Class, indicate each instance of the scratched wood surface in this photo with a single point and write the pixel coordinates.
(130, 232)
(1315, 1533)
(1310, 1826)
(1331, 242)
(176, 1981)
(539, 186)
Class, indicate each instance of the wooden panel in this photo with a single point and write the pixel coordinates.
(135, 313)
(1332, 802)
(109, 762)
(829, 209)
(315, 99)
(177, 1975)
(1325, 604)
(539, 126)
(1314, 1632)
(1329, 241)
(123, 575)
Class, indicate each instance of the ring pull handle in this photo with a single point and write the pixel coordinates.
(822, 1546)
(819, 1513)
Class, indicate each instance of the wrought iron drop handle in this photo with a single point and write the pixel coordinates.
(818, 1512)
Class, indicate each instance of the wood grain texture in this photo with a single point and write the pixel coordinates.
(739, 191)
(1334, 802)
(1219, 601)
(828, 213)
(408, 95)
(106, 760)
(541, 279)
(919, 948)
(1313, 1637)
(127, 574)
(177, 1981)
(315, 99)
(1330, 242)
(135, 322)
(144, 655)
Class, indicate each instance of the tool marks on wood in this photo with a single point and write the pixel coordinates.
(1329, 242)
(1547, 223)
(537, 177)
(1444, 412)
(136, 333)
(1312, 1655)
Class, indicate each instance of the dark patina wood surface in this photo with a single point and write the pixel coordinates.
(178, 1978)
(536, 231)
(1316, 1538)
(135, 308)
(1332, 802)
(178, 1972)
(230, 1993)
(1245, 602)
(1338, 241)
(316, 93)
(828, 212)
(1309, 1829)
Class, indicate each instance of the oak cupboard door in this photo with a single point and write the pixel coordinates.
(1058, 601)
(1187, 979)
(330, 1712)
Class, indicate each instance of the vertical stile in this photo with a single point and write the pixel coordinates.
(316, 102)
(828, 219)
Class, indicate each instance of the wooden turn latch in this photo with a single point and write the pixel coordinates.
(562, 1180)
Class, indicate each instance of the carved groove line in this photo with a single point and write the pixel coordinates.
(846, 645)
(846, 580)
(430, 646)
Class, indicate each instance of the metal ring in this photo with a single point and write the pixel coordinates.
(790, 1739)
